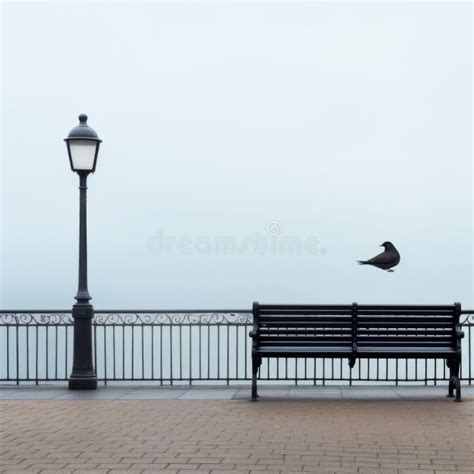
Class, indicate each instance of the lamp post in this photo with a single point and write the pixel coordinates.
(83, 148)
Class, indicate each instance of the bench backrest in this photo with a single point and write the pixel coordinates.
(303, 325)
(407, 326)
(356, 325)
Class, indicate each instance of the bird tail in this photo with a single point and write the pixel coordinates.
(362, 262)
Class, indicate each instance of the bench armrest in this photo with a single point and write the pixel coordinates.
(459, 334)
(252, 334)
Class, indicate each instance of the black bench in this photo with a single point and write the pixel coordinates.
(358, 331)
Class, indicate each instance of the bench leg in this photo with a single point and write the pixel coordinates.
(254, 379)
(451, 381)
(457, 382)
(458, 390)
(451, 387)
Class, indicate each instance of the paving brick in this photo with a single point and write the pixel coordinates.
(183, 466)
(55, 471)
(82, 467)
(415, 471)
(400, 436)
(220, 466)
(48, 467)
(224, 471)
(129, 471)
(195, 471)
(157, 471)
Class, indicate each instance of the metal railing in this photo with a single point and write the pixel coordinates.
(187, 346)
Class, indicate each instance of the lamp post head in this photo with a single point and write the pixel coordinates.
(83, 147)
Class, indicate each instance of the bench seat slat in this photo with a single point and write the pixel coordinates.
(307, 340)
(402, 307)
(373, 320)
(310, 337)
(347, 311)
(410, 325)
(404, 350)
(406, 319)
(362, 326)
(291, 345)
(341, 340)
(277, 351)
(362, 340)
(375, 332)
(394, 312)
(305, 330)
(304, 307)
(406, 332)
(382, 352)
(408, 347)
(309, 319)
(306, 334)
(288, 325)
(305, 312)
(406, 339)
(360, 307)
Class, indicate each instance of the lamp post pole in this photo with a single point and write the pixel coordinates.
(83, 147)
(83, 375)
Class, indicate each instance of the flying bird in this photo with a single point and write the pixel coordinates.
(386, 260)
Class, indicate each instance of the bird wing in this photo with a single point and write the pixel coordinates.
(383, 258)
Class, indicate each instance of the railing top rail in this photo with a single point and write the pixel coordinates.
(335, 307)
(138, 311)
(146, 311)
(35, 311)
(126, 311)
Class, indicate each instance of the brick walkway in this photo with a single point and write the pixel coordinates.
(377, 436)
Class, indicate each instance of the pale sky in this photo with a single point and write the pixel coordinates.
(349, 123)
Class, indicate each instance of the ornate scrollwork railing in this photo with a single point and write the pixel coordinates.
(467, 318)
(183, 345)
(125, 317)
(36, 318)
(113, 318)
(173, 318)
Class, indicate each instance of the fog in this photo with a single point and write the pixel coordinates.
(251, 151)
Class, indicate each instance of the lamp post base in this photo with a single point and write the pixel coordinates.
(83, 375)
(82, 383)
